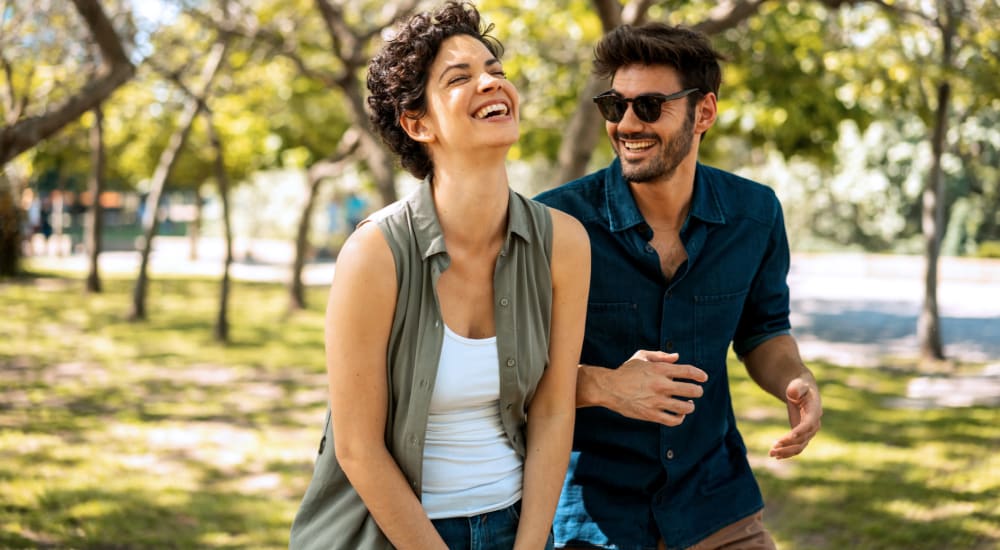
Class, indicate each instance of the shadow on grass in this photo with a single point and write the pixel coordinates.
(137, 519)
(883, 507)
(875, 476)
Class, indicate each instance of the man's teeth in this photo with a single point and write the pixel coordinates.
(638, 145)
(498, 108)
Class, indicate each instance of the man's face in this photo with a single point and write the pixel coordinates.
(651, 151)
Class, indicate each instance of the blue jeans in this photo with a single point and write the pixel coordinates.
(489, 531)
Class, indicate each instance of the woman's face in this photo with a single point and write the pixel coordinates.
(470, 102)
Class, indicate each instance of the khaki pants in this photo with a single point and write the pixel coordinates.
(745, 534)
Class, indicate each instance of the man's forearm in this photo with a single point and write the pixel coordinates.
(775, 363)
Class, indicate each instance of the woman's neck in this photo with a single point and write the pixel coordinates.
(471, 202)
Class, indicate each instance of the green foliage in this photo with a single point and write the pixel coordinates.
(548, 57)
(780, 84)
(988, 249)
(831, 105)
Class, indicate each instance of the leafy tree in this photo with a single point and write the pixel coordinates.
(192, 107)
(24, 130)
(36, 108)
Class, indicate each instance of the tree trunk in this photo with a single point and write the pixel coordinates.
(380, 163)
(317, 173)
(347, 45)
(27, 133)
(168, 159)
(586, 126)
(297, 292)
(929, 322)
(221, 332)
(10, 229)
(94, 224)
(194, 227)
(58, 218)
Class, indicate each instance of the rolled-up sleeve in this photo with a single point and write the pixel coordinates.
(765, 314)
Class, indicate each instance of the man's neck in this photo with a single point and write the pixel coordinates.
(665, 203)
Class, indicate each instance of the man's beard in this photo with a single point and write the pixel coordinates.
(663, 166)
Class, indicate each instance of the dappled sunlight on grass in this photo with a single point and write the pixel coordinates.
(151, 434)
(143, 435)
(876, 476)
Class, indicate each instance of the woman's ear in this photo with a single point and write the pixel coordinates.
(416, 127)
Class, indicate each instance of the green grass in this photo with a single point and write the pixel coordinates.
(876, 476)
(150, 435)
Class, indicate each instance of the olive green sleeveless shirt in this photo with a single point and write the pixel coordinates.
(332, 515)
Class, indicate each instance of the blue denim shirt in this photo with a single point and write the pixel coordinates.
(631, 482)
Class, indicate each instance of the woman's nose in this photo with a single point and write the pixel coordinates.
(489, 82)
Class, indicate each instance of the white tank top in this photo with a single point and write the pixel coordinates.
(469, 465)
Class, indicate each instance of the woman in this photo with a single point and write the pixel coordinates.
(455, 315)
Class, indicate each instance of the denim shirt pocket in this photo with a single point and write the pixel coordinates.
(716, 318)
(611, 331)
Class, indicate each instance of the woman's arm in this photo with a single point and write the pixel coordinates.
(358, 321)
(552, 409)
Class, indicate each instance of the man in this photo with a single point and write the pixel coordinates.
(687, 259)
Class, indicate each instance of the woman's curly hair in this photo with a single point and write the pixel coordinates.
(397, 75)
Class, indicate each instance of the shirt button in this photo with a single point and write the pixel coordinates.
(670, 454)
(511, 362)
(437, 324)
(504, 302)
(649, 248)
(669, 346)
(423, 383)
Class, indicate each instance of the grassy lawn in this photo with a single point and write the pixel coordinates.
(150, 435)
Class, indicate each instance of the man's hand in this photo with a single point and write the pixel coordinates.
(804, 412)
(649, 386)
(776, 366)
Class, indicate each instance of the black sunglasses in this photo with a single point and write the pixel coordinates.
(646, 106)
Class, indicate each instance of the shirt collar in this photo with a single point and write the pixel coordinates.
(427, 228)
(705, 204)
(623, 213)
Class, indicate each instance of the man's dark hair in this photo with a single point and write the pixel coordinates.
(397, 75)
(683, 48)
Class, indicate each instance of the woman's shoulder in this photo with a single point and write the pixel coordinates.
(366, 248)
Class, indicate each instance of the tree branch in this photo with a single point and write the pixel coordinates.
(104, 33)
(343, 40)
(334, 164)
(175, 78)
(280, 43)
(399, 11)
(634, 13)
(116, 70)
(727, 15)
(10, 96)
(895, 8)
(610, 13)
